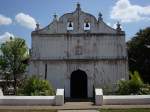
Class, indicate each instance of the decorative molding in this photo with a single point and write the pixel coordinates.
(36, 33)
(81, 60)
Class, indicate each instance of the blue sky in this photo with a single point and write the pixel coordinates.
(18, 17)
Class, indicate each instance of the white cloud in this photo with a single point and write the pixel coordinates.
(26, 20)
(124, 11)
(113, 25)
(108, 23)
(5, 20)
(5, 37)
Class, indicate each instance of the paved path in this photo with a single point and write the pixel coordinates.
(78, 111)
(75, 106)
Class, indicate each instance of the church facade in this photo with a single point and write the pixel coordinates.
(79, 52)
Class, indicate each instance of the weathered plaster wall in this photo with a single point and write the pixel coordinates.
(99, 72)
(78, 47)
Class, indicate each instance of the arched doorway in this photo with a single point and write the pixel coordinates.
(78, 84)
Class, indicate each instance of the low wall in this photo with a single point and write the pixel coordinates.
(126, 99)
(34, 100)
(58, 100)
(27, 100)
(101, 99)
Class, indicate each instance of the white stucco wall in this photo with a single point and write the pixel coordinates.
(27, 100)
(126, 100)
(99, 73)
(101, 47)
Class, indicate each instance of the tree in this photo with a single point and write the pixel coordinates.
(14, 52)
(139, 54)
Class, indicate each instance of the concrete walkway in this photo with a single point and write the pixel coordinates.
(74, 106)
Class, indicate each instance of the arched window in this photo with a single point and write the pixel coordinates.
(86, 25)
(69, 25)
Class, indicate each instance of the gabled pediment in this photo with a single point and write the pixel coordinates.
(77, 22)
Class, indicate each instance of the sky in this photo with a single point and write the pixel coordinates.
(18, 18)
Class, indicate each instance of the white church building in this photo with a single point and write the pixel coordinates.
(79, 52)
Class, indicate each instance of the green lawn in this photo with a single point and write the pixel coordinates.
(124, 110)
(26, 110)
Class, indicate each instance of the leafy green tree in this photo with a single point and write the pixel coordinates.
(34, 86)
(139, 54)
(12, 65)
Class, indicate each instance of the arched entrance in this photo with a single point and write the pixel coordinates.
(78, 84)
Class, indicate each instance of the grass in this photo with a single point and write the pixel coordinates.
(26, 110)
(125, 110)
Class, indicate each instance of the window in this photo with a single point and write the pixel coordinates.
(70, 26)
(86, 25)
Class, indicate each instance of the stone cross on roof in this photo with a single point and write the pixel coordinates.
(78, 6)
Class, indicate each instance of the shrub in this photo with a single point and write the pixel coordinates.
(34, 86)
(135, 83)
(132, 86)
(109, 89)
(145, 89)
(123, 87)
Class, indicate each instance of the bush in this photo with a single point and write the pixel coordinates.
(123, 87)
(145, 89)
(135, 83)
(132, 86)
(109, 89)
(35, 86)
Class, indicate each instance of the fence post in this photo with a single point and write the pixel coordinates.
(98, 96)
(1, 92)
(59, 97)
